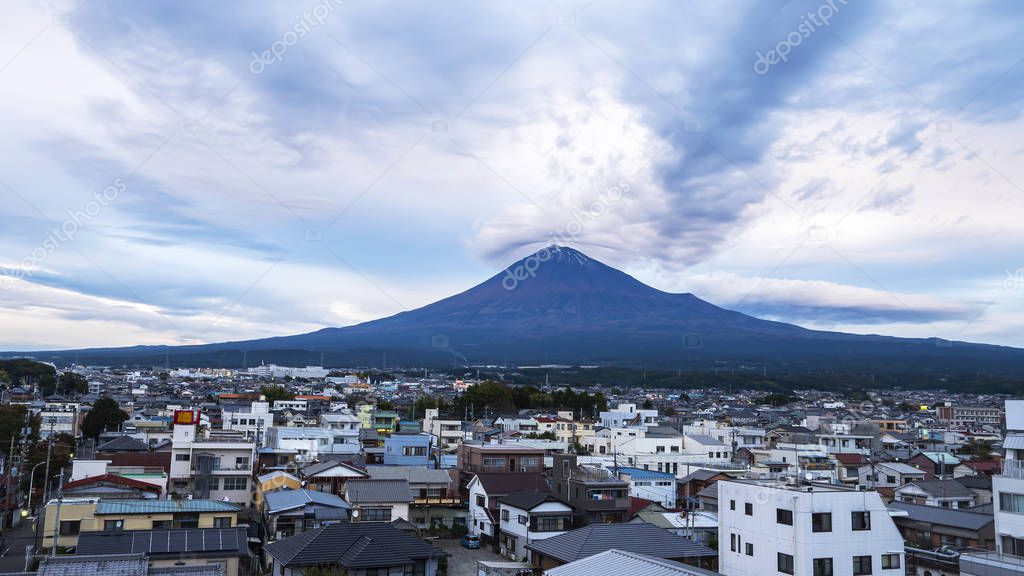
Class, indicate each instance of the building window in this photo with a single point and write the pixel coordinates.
(750, 549)
(187, 520)
(890, 561)
(822, 567)
(529, 462)
(480, 500)
(1013, 545)
(418, 451)
(222, 522)
(860, 520)
(783, 516)
(1009, 502)
(785, 563)
(732, 504)
(861, 565)
(242, 463)
(376, 514)
(162, 525)
(494, 462)
(236, 483)
(70, 527)
(732, 542)
(821, 522)
(181, 457)
(504, 515)
(113, 524)
(523, 519)
(748, 508)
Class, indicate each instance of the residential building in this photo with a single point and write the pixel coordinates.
(218, 466)
(59, 418)
(378, 500)
(638, 538)
(288, 512)
(330, 476)
(935, 464)
(942, 493)
(490, 458)
(929, 527)
(888, 475)
(448, 431)
(308, 444)
(616, 562)
(402, 449)
(359, 549)
(805, 529)
(1008, 487)
(595, 493)
(485, 494)
(435, 498)
(81, 515)
(527, 517)
(628, 416)
(253, 420)
(650, 485)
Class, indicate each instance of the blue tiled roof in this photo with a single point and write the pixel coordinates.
(641, 474)
(163, 506)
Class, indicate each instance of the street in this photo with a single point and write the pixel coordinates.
(12, 552)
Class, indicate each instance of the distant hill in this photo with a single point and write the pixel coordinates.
(559, 306)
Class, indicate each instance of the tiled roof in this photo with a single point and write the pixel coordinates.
(113, 479)
(108, 565)
(640, 538)
(123, 444)
(364, 491)
(163, 506)
(414, 474)
(501, 483)
(621, 562)
(528, 500)
(353, 545)
(943, 516)
(283, 500)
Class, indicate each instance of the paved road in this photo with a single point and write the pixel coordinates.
(462, 561)
(12, 552)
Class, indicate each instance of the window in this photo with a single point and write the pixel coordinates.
(241, 463)
(162, 525)
(418, 451)
(113, 524)
(504, 515)
(523, 519)
(222, 522)
(529, 462)
(732, 504)
(890, 479)
(70, 527)
(861, 565)
(785, 563)
(480, 500)
(732, 542)
(187, 520)
(1009, 502)
(1013, 545)
(748, 508)
(821, 522)
(214, 482)
(550, 524)
(783, 516)
(822, 567)
(236, 483)
(181, 457)
(495, 462)
(890, 561)
(376, 514)
(750, 549)
(860, 520)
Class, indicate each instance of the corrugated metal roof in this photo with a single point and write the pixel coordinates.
(163, 506)
(639, 538)
(282, 500)
(641, 474)
(369, 491)
(621, 562)
(1014, 441)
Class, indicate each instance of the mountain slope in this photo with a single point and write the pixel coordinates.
(561, 306)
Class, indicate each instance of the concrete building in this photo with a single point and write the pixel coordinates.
(448, 431)
(805, 530)
(252, 420)
(210, 465)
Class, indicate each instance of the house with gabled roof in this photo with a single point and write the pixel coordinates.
(530, 516)
(356, 548)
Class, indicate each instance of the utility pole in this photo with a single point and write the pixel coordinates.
(56, 522)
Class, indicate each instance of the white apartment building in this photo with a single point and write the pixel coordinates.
(628, 416)
(1008, 487)
(59, 418)
(257, 418)
(447, 431)
(293, 405)
(308, 443)
(633, 447)
(768, 527)
(728, 435)
(210, 466)
(343, 427)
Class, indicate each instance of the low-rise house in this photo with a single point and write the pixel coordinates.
(378, 500)
(650, 485)
(353, 548)
(690, 486)
(289, 512)
(181, 549)
(407, 449)
(935, 464)
(111, 487)
(435, 500)
(616, 562)
(941, 493)
(595, 493)
(530, 516)
(888, 475)
(929, 527)
(80, 516)
(849, 465)
(330, 476)
(485, 493)
(115, 564)
(271, 481)
(639, 538)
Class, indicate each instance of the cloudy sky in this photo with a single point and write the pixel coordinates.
(196, 171)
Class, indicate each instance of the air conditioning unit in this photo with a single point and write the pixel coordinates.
(522, 468)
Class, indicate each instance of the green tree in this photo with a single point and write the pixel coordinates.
(72, 383)
(487, 395)
(276, 392)
(12, 422)
(104, 415)
(5, 378)
(647, 405)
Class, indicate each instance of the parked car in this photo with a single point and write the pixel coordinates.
(470, 541)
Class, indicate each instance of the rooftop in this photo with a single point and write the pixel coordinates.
(163, 506)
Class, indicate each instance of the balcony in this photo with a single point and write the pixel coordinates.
(1013, 469)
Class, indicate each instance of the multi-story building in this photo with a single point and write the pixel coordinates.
(344, 429)
(628, 416)
(211, 465)
(253, 420)
(59, 418)
(307, 443)
(805, 530)
(527, 517)
(448, 431)
(407, 449)
(488, 458)
(597, 495)
(650, 485)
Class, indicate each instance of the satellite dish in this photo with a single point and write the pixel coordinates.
(355, 513)
(809, 476)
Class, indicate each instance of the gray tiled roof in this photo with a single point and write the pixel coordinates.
(353, 545)
(942, 488)
(622, 562)
(414, 474)
(369, 491)
(943, 516)
(639, 538)
(282, 500)
(108, 565)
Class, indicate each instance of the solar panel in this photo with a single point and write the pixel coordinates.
(177, 540)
